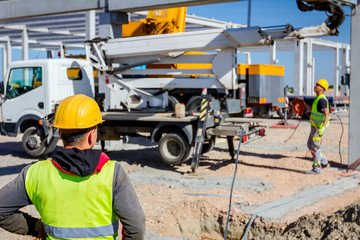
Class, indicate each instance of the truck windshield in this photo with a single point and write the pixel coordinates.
(23, 80)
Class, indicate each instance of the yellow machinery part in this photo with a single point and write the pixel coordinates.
(163, 21)
(261, 69)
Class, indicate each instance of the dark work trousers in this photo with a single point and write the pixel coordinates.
(314, 145)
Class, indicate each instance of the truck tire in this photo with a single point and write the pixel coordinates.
(174, 149)
(194, 104)
(172, 102)
(33, 141)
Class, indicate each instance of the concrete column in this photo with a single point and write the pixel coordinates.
(49, 54)
(6, 57)
(90, 24)
(345, 69)
(273, 60)
(336, 72)
(309, 68)
(8, 50)
(354, 130)
(312, 82)
(25, 44)
(4, 61)
(248, 57)
(299, 67)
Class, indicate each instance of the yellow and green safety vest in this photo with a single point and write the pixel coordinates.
(70, 206)
(317, 118)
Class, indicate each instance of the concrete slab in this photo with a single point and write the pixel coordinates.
(308, 196)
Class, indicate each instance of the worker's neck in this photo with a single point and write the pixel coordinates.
(319, 93)
(78, 146)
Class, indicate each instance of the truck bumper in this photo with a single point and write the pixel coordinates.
(2, 129)
(8, 129)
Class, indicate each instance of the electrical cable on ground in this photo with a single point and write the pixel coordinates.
(232, 184)
(248, 226)
(342, 132)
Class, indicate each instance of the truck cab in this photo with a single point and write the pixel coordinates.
(31, 92)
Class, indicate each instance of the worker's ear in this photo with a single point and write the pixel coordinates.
(92, 137)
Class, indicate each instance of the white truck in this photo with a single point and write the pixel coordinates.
(34, 88)
(31, 92)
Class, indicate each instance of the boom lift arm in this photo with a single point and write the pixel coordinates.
(115, 58)
(333, 8)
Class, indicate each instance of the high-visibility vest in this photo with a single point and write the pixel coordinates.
(317, 118)
(71, 206)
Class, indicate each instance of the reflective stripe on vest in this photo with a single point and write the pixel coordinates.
(71, 206)
(89, 232)
(317, 118)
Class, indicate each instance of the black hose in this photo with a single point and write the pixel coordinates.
(334, 20)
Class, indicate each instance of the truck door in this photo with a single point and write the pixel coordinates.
(24, 94)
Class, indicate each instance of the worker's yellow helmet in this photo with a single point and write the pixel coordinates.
(77, 112)
(323, 83)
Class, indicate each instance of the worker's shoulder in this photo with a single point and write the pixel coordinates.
(118, 166)
(323, 101)
(38, 163)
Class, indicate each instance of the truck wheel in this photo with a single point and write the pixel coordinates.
(174, 148)
(194, 104)
(208, 146)
(33, 141)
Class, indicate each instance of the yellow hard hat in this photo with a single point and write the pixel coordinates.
(323, 83)
(77, 112)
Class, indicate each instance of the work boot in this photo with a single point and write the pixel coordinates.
(325, 165)
(315, 170)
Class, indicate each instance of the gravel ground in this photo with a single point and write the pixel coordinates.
(181, 205)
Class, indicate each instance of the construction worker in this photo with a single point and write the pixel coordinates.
(319, 120)
(80, 193)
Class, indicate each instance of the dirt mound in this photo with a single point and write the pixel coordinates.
(200, 220)
(344, 224)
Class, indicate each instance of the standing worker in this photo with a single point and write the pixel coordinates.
(319, 120)
(80, 193)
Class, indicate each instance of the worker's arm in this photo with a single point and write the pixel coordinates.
(127, 206)
(13, 197)
(327, 115)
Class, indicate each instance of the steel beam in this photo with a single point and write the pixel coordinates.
(141, 5)
(336, 71)
(25, 44)
(299, 68)
(10, 10)
(90, 24)
(309, 67)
